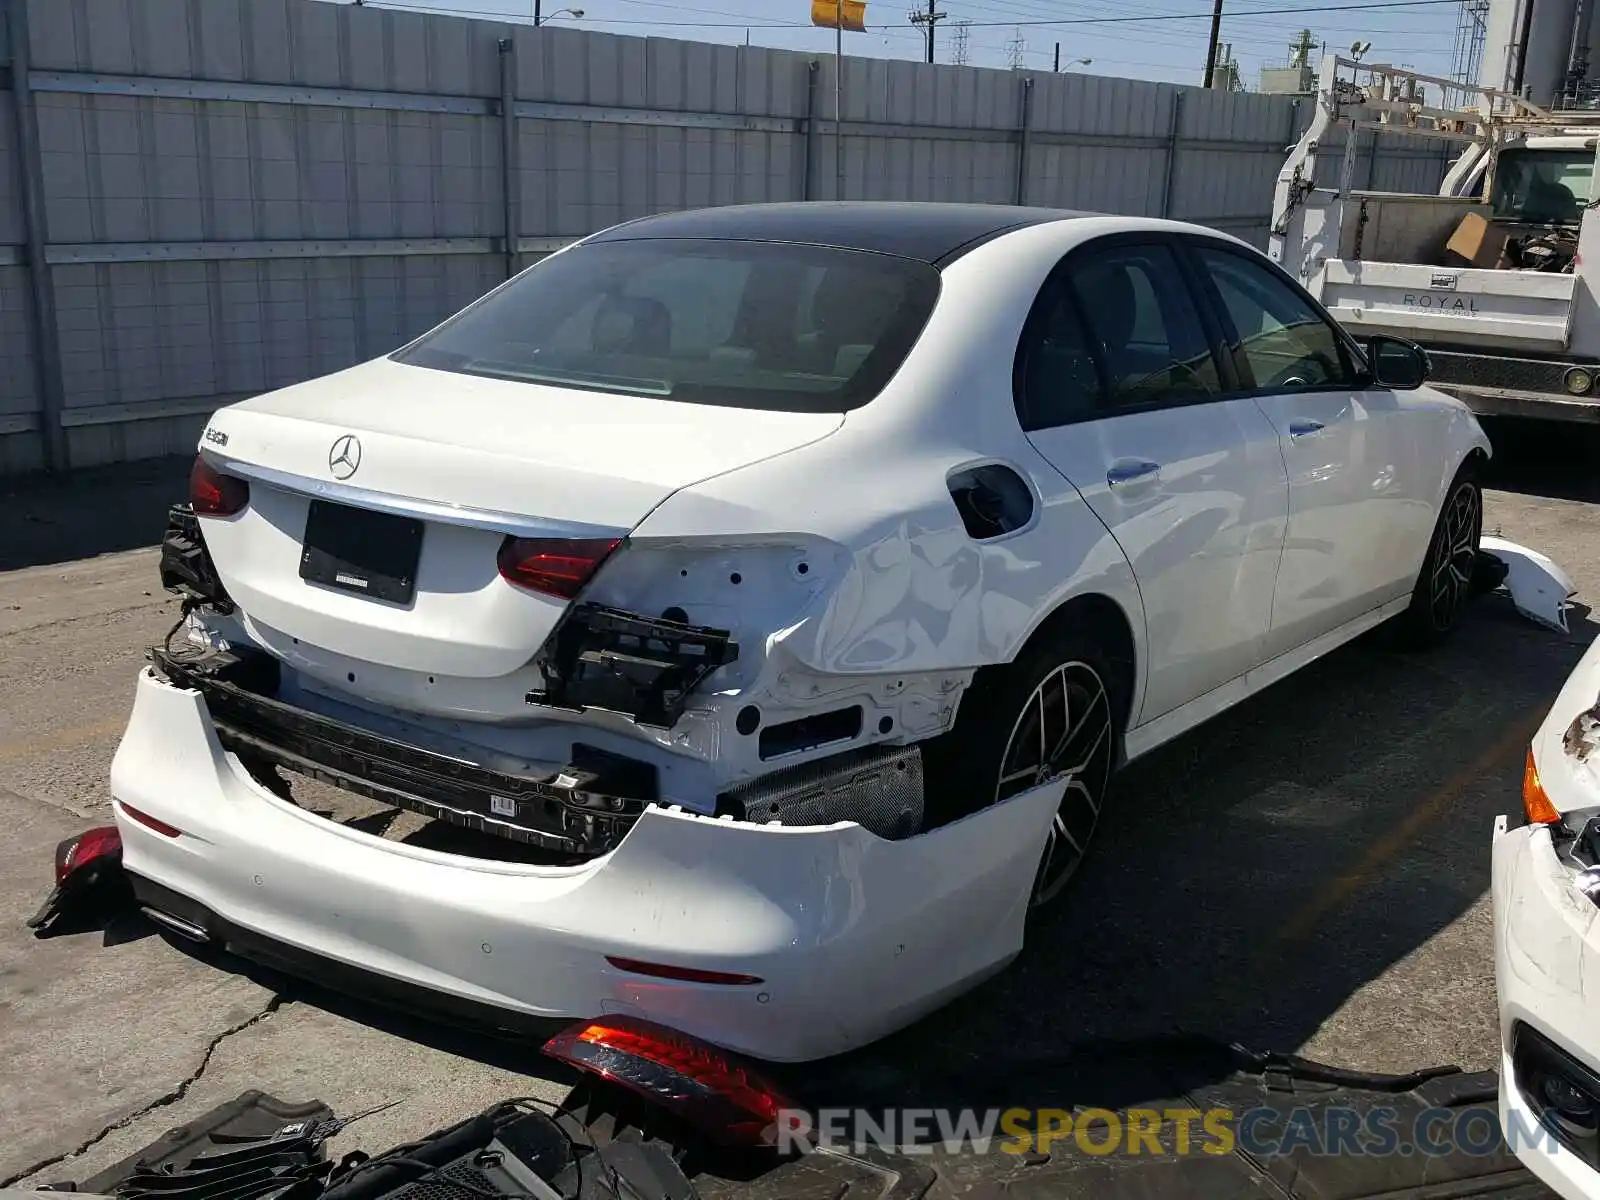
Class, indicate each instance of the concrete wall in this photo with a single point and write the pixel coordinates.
(243, 193)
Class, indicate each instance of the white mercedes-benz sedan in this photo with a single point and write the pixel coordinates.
(771, 593)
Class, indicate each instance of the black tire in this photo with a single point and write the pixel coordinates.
(1446, 581)
(981, 761)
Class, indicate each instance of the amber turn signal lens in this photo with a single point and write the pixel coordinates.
(1535, 804)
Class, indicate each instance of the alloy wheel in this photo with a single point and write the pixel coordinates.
(1455, 558)
(1063, 731)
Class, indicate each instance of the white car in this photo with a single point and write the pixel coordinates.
(775, 589)
(1547, 945)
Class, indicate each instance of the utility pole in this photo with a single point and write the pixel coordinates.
(538, 16)
(1057, 67)
(928, 20)
(1211, 46)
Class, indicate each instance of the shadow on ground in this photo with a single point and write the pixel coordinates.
(47, 520)
(1559, 459)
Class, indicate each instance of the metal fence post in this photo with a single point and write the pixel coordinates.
(46, 336)
(508, 148)
(1172, 154)
(1024, 128)
(806, 169)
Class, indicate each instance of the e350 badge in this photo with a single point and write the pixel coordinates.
(216, 437)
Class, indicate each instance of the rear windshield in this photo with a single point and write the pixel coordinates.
(762, 325)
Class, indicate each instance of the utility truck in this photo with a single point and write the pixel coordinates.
(1494, 275)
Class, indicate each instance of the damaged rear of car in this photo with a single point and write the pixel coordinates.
(479, 581)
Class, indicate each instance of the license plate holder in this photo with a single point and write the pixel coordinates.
(357, 550)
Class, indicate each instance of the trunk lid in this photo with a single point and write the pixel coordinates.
(473, 460)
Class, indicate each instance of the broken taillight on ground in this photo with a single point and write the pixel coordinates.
(88, 879)
(724, 1098)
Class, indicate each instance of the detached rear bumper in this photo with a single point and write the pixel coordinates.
(850, 935)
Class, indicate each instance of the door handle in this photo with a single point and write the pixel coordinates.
(1302, 428)
(1127, 470)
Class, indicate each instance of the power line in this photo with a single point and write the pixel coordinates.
(1254, 12)
(748, 24)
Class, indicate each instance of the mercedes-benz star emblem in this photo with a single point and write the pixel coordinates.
(345, 457)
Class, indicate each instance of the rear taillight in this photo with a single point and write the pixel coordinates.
(98, 844)
(727, 1100)
(213, 494)
(554, 566)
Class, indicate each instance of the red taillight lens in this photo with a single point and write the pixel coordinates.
(103, 841)
(149, 822)
(725, 1099)
(213, 494)
(554, 566)
(687, 974)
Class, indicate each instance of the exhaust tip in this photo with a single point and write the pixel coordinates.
(184, 929)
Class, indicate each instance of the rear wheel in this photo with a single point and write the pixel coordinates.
(1445, 582)
(1054, 714)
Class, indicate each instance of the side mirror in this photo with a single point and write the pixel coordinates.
(1397, 363)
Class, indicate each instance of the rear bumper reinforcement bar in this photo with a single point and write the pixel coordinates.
(582, 810)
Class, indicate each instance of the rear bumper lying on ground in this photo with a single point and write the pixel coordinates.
(849, 936)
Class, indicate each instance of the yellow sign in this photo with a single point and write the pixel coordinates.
(840, 14)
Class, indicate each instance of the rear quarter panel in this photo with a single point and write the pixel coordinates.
(913, 591)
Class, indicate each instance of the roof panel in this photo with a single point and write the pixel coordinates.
(925, 231)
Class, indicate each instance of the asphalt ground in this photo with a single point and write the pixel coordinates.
(1308, 872)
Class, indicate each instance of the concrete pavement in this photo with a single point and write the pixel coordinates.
(1307, 872)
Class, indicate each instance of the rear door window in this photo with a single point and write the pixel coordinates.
(1144, 323)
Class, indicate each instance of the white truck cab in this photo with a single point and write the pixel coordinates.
(1512, 333)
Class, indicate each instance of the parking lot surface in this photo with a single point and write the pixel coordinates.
(1308, 872)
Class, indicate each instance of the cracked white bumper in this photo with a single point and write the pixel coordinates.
(851, 936)
(1547, 973)
(1547, 935)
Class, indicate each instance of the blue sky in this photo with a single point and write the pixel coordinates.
(1418, 35)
